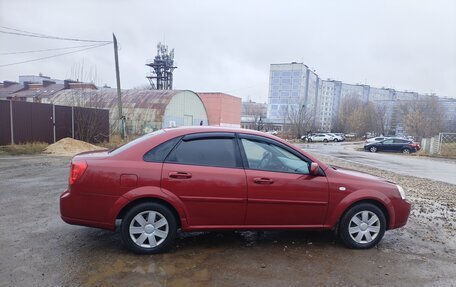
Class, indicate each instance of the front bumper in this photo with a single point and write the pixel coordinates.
(401, 213)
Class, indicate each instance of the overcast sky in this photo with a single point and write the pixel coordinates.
(227, 46)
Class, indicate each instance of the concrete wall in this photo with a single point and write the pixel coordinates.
(222, 109)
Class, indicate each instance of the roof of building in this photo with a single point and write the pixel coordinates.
(212, 94)
(43, 89)
(153, 101)
(150, 99)
(7, 88)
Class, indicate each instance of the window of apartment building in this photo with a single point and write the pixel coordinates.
(284, 94)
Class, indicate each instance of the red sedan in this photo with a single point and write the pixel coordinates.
(209, 178)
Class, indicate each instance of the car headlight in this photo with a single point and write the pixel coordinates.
(401, 191)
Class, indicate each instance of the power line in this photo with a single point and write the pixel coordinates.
(53, 56)
(43, 36)
(46, 50)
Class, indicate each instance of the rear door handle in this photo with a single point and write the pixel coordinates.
(180, 175)
(263, 180)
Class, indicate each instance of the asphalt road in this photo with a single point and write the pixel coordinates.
(419, 166)
(39, 249)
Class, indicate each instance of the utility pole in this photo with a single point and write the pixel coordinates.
(119, 96)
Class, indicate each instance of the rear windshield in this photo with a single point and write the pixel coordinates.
(134, 142)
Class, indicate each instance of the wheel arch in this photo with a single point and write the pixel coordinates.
(372, 201)
(150, 194)
(362, 196)
(163, 202)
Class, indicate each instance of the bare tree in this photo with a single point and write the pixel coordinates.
(87, 102)
(360, 117)
(382, 118)
(255, 112)
(423, 118)
(300, 119)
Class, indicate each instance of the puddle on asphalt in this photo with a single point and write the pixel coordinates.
(222, 258)
(198, 255)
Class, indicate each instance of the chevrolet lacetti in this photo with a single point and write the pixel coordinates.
(209, 178)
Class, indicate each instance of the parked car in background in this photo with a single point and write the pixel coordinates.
(196, 179)
(393, 145)
(376, 139)
(336, 138)
(341, 135)
(272, 132)
(320, 138)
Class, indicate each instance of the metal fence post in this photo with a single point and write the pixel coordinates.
(440, 144)
(11, 122)
(72, 121)
(53, 119)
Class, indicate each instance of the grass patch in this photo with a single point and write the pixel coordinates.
(27, 148)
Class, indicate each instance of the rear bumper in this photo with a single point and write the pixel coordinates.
(93, 210)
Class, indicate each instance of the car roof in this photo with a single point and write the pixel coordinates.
(202, 129)
(180, 131)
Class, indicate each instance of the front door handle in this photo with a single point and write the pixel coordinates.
(180, 175)
(263, 180)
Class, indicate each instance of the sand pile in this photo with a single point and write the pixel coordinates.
(70, 147)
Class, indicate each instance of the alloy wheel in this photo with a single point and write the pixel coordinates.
(148, 229)
(364, 227)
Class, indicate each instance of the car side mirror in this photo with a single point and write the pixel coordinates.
(314, 167)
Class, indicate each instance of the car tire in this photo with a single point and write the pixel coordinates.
(148, 235)
(336, 140)
(362, 226)
(373, 149)
(406, 151)
(325, 140)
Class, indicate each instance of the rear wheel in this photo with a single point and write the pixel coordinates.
(336, 140)
(406, 151)
(362, 226)
(373, 149)
(148, 228)
(325, 140)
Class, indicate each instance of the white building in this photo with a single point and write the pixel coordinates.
(294, 85)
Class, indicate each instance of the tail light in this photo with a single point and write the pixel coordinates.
(77, 170)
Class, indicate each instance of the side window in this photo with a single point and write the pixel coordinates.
(218, 152)
(159, 153)
(388, 141)
(265, 156)
(400, 141)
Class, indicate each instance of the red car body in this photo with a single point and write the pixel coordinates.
(104, 185)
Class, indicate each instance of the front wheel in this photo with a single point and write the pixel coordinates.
(406, 151)
(325, 140)
(373, 149)
(362, 226)
(148, 228)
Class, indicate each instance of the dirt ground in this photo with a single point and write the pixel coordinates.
(38, 249)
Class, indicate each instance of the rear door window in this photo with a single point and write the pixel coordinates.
(218, 152)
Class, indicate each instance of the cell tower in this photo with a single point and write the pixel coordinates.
(161, 76)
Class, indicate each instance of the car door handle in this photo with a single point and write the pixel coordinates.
(180, 175)
(263, 180)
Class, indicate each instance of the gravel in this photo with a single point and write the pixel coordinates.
(433, 202)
